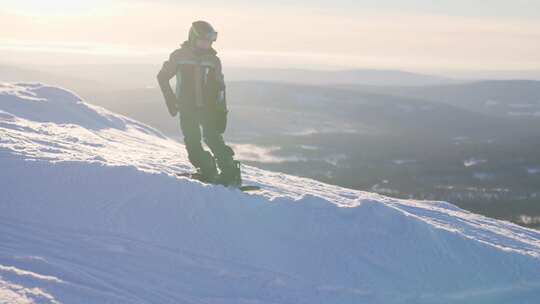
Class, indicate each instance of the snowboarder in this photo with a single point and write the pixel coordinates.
(200, 99)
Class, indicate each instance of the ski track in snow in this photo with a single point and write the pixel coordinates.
(91, 211)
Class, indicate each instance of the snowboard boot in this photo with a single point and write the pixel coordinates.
(230, 175)
(208, 171)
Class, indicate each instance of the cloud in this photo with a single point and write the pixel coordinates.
(248, 152)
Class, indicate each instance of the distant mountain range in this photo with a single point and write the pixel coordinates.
(503, 98)
(356, 76)
(143, 75)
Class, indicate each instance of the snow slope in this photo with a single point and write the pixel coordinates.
(92, 212)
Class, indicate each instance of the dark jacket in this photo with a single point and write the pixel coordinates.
(199, 80)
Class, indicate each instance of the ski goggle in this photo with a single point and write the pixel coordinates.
(212, 36)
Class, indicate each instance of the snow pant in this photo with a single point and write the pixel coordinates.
(192, 120)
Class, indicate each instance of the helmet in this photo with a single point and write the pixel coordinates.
(202, 30)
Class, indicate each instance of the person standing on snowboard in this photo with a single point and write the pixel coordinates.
(200, 100)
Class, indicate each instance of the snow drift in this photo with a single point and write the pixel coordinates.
(91, 211)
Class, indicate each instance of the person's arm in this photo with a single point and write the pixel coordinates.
(168, 71)
(221, 102)
(220, 79)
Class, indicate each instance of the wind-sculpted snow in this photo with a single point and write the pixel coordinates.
(91, 211)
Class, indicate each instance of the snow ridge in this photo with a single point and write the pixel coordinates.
(91, 211)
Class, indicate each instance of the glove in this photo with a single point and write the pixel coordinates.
(172, 105)
(221, 112)
(164, 75)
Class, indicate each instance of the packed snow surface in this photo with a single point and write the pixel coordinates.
(91, 211)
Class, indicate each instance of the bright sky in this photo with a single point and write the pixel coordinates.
(405, 34)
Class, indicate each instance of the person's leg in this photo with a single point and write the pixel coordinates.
(230, 173)
(222, 152)
(198, 156)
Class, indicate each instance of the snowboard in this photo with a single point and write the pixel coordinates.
(194, 176)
